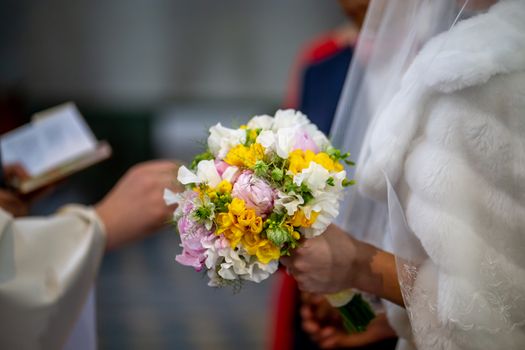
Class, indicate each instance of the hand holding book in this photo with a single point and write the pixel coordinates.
(57, 143)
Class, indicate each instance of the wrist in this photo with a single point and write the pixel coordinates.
(362, 278)
(375, 272)
(107, 221)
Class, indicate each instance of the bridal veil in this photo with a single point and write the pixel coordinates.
(432, 111)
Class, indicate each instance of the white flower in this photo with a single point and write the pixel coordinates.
(326, 199)
(213, 246)
(171, 197)
(314, 177)
(289, 118)
(263, 122)
(206, 173)
(215, 279)
(233, 265)
(259, 272)
(327, 205)
(285, 139)
(267, 139)
(185, 176)
(288, 201)
(230, 174)
(222, 139)
(223, 262)
(319, 137)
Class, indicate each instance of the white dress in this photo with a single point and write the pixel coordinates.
(47, 268)
(452, 143)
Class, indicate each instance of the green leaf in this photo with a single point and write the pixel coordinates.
(347, 183)
(203, 156)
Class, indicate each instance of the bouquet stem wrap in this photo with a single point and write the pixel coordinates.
(355, 311)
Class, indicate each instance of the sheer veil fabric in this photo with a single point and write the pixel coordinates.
(433, 112)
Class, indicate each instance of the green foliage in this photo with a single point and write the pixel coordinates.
(347, 183)
(251, 136)
(277, 174)
(222, 202)
(203, 156)
(261, 169)
(336, 155)
(303, 190)
(204, 212)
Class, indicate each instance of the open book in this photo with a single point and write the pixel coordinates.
(56, 143)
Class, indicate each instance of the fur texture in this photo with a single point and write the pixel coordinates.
(453, 142)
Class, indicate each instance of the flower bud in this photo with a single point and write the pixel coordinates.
(278, 235)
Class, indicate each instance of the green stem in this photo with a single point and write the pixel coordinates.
(357, 314)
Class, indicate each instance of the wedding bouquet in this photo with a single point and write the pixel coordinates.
(254, 194)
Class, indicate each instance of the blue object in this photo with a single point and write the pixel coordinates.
(322, 85)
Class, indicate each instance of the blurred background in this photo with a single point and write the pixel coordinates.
(150, 76)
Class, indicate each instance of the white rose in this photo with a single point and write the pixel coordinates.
(289, 118)
(222, 139)
(263, 122)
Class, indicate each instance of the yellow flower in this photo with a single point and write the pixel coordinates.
(297, 162)
(300, 220)
(300, 160)
(267, 251)
(237, 206)
(251, 242)
(247, 217)
(224, 187)
(224, 222)
(234, 235)
(243, 156)
(328, 163)
(255, 153)
(243, 127)
(257, 225)
(236, 155)
(212, 195)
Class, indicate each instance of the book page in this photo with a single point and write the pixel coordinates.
(54, 137)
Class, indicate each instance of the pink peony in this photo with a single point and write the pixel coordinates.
(304, 141)
(192, 234)
(256, 193)
(187, 205)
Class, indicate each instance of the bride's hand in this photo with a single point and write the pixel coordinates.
(335, 261)
(324, 264)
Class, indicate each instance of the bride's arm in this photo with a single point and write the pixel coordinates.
(336, 261)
